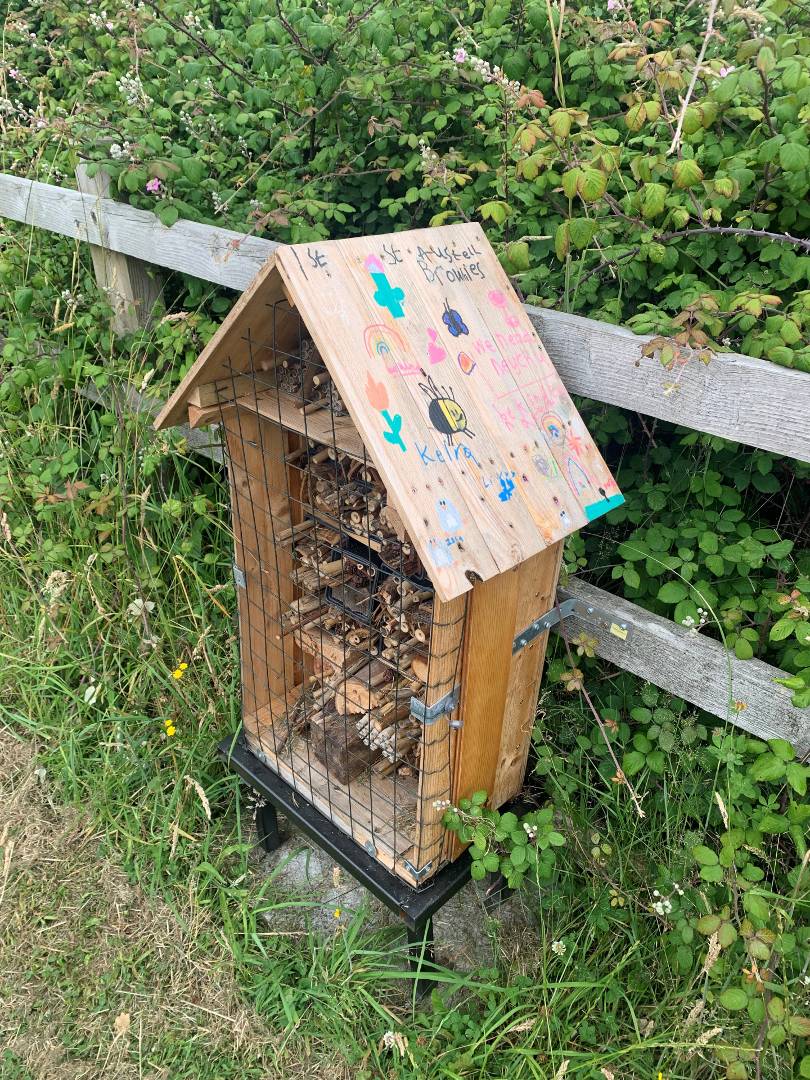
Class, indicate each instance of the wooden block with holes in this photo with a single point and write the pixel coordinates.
(405, 465)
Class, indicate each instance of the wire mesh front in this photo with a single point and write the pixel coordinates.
(339, 625)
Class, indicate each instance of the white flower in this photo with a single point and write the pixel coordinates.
(662, 907)
(91, 693)
(558, 948)
(442, 804)
(139, 606)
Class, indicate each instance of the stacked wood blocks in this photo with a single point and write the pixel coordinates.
(362, 618)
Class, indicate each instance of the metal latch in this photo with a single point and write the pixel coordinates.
(429, 714)
(238, 576)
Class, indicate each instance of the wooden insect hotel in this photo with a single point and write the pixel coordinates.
(404, 465)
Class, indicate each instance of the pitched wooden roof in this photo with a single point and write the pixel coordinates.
(479, 444)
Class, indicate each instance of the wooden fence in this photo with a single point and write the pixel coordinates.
(737, 397)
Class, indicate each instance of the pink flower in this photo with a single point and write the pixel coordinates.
(613, 5)
(725, 70)
(154, 186)
(460, 55)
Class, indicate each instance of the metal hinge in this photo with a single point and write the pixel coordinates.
(238, 576)
(586, 612)
(429, 714)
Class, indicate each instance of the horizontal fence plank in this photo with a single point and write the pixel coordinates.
(736, 397)
(221, 256)
(690, 666)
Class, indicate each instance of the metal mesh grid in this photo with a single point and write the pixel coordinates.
(338, 622)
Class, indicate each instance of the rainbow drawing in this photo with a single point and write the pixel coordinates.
(553, 429)
(382, 341)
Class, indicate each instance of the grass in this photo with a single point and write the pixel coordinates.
(131, 886)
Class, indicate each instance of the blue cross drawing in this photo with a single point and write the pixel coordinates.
(387, 296)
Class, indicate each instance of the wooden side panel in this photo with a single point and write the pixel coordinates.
(444, 672)
(261, 507)
(245, 342)
(538, 584)
(499, 689)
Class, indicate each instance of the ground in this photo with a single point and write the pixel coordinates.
(96, 979)
(99, 980)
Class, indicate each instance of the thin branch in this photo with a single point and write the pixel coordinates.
(722, 230)
(676, 138)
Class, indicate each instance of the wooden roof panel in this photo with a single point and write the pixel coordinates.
(474, 434)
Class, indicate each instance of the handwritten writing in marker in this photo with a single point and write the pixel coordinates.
(317, 258)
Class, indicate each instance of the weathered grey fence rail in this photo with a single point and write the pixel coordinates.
(737, 397)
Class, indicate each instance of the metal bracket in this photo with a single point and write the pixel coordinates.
(429, 714)
(587, 612)
(543, 623)
(417, 874)
(238, 576)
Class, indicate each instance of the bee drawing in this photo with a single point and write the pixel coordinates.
(444, 412)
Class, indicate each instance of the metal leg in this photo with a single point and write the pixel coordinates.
(267, 827)
(496, 890)
(420, 954)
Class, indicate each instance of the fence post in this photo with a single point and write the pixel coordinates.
(132, 286)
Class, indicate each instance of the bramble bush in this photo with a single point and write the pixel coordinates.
(612, 183)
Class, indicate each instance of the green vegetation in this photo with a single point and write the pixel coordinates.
(673, 943)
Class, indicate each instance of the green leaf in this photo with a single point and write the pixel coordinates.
(743, 649)
(716, 565)
(672, 592)
(496, 211)
(518, 255)
(193, 169)
(767, 767)
(168, 215)
(491, 862)
(581, 231)
(708, 924)
(708, 542)
(782, 629)
(796, 776)
(653, 200)
(562, 241)
(631, 577)
(633, 762)
(570, 181)
(704, 855)
(478, 870)
(687, 174)
(592, 185)
(756, 905)
(734, 999)
(255, 35)
(23, 298)
(556, 839)
(636, 116)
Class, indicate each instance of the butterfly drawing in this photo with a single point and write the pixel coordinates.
(453, 321)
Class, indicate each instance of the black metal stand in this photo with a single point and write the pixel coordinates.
(415, 907)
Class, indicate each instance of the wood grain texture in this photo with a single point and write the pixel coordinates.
(218, 255)
(444, 671)
(736, 397)
(478, 442)
(132, 287)
(536, 589)
(692, 667)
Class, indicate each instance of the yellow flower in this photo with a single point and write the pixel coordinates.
(179, 671)
(337, 913)
(171, 730)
